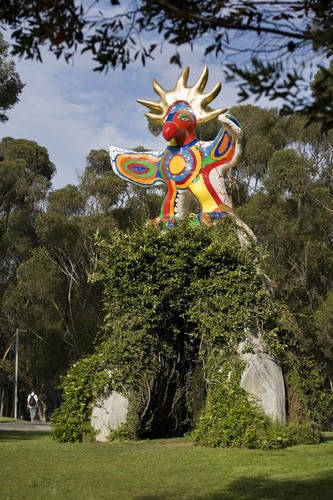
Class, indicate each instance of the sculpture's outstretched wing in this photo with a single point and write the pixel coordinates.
(140, 168)
(227, 148)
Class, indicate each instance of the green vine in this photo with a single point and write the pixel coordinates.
(82, 386)
(177, 304)
(232, 419)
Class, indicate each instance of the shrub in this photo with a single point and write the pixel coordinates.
(81, 387)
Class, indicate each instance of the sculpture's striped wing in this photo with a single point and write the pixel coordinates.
(140, 168)
(226, 150)
(220, 151)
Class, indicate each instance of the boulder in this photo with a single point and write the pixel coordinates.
(263, 378)
(109, 414)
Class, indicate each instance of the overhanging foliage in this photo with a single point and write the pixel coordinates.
(272, 49)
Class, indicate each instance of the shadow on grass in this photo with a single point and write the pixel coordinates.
(260, 488)
(22, 435)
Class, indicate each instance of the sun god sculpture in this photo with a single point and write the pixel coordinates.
(188, 166)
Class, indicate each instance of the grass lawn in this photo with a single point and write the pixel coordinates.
(8, 419)
(32, 466)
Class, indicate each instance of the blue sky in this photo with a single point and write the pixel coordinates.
(70, 109)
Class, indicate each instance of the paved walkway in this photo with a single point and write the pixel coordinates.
(25, 426)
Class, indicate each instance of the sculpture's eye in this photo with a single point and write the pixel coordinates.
(183, 117)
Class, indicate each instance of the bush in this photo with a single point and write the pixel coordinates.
(81, 387)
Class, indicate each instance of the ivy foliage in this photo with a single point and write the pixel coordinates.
(83, 384)
(177, 304)
(232, 419)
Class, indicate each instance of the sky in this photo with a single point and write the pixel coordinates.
(69, 109)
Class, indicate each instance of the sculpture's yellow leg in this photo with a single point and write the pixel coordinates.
(207, 201)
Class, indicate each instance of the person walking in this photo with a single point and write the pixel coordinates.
(32, 402)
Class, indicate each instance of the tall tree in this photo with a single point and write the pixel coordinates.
(48, 250)
(291, 214)
(265, 132)
(25, 173)
(10, 82)
(101, 188)
(269, 47)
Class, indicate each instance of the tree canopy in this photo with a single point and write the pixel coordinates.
(10, 83)
(273, 49)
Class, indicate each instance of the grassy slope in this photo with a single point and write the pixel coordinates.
(34, 467)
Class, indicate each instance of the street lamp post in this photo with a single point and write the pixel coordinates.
(16, 373)
(16, 370)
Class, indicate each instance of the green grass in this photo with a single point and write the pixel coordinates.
(9, 419)
(32, 466)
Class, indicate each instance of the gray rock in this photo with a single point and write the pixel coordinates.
(263, 378)
(109, 414)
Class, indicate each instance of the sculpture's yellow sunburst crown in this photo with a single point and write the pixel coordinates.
(194, 96)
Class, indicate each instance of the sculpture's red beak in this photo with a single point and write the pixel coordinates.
(169, 130)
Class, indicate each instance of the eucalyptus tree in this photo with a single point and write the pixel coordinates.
(25, 173)
(324, 331)
(291, 214)
(50, 293)
(10, 82)
(266, 132)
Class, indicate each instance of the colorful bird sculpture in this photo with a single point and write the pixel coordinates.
(188, 166)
